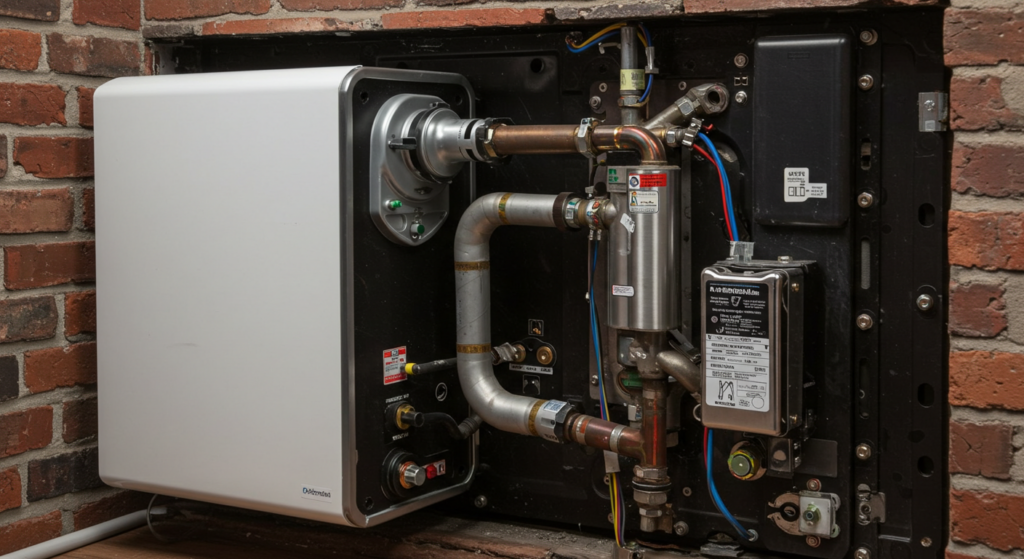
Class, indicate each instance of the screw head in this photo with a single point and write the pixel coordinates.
(865, 322)
(865, 200)
(681, 528)
(863, 451)
(682, 86)
(929, 105)
(602, 87)
(593, 380)
(926, 542)
(740, 60)
(813, 541)
(480, 501)
(595, 102)
(866, 82)
(687, 492)
(814, 484)
(741, 97)
(868, 37)
(925, 302)
(862, 553)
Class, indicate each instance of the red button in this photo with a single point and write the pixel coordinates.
(431, 471)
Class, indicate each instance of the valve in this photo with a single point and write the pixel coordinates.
(746, 462)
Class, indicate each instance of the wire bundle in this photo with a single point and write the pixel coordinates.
(611, 31)
(723, 180)
(615, 492)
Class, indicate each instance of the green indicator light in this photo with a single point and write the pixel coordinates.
(394, 204)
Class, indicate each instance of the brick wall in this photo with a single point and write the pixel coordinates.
(54, 53)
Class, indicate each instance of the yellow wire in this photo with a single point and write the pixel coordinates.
(605, 30)
(615, 508)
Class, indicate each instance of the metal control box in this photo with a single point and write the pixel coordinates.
(752, 370)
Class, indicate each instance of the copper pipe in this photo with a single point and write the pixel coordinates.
(652, 151)
(655, 410)
(605, 435)
(538, 139)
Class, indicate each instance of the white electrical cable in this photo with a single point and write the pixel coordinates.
(81, 538)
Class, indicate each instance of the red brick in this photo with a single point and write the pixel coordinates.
(25, 430)
(271, 26)
(126, 14)
(29, 532)
(20, 50)
(109, 508)
(988, 240)
(85, 106)
(63, 474)
(93, 56)
(988, 36)
(715, 6)
(42, 10)
(992, 519)
(977, 103)
(10, 489)
(47, 369)
(489, 17)
(185, 9)
(981, 449)
(55, 158)
(28, 266)
(31, 104)
(976, 310)
(985, 380)
(10, 384)
(992, 170)
(89, 209)
(327, 5)
(3, 156)
(28, 318)
(79, 313)
(79, 420)
(36, 211)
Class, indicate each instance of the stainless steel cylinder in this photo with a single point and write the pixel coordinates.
(644, 251)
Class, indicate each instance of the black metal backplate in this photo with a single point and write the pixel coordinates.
(884, 387)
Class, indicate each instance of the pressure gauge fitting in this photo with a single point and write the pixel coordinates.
(746, 462)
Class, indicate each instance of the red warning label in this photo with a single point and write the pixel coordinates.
(648, 181)
(394, 365)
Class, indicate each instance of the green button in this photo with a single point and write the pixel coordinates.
(394, 204)
(418, 228)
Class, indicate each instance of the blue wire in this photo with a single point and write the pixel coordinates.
(714, 492)
(593, 333)
(650, 80)
(591, 43)
(725, 179)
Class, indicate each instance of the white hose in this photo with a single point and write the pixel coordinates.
(81, 538)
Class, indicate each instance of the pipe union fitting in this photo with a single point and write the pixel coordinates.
(653, 498)
(550, 420)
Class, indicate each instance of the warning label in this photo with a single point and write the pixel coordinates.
(643, 201)
(394, 365)
(648, 181)
(797, 185)
(737, 350)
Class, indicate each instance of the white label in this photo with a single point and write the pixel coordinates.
(394, 365)
(643, 201)
(324, 494)
(628, 223)
(530, 369)
(797, 186)
(623, 290)
(737, 372)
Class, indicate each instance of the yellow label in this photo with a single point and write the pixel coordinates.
(631, 80)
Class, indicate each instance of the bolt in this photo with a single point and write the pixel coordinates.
(480, 501)
(863, 451)
(682, 86)
(925, 302)
(741, 98)
(811, 515)
(866, 82)
(868, 37)
(926, 541)
(593, 380)
(595, 103)
(602, 87)
(814, 484)
(681, 528)
(865, 322)
(862, 553)
(813, 541)
(740, 60)
(865, 200)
